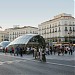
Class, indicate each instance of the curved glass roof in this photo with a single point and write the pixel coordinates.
(4, 43)
(23, 39)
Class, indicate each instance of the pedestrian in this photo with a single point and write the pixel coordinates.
(54, 50)
(3, 50)
(70, 51)
(35, 53)
(59, 50)
(43, 56)
(6, 50)
(47, 50)
(62, 50)
(28, 49)
(32, 51)
(12, 49)
(66, 50)
(51, 50)
(17, 50)
(21, 53)
(39, 52)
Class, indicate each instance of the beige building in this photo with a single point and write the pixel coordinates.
(59, 29)
(3, 36)
(18, 31)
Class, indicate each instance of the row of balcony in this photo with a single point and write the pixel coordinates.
(55, 26)
(60, 31)
(54, 31)
(64, 30)
(22, 33)
(69, 30)
(50, 32)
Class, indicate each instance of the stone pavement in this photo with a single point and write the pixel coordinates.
(62, 57)
(30, 57)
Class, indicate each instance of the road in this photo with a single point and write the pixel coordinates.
(17, 66)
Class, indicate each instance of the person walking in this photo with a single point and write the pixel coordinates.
(59, 50)
(62, 50)
(6, 50)
(12, 49)
(43, 56)
(54, 50)
(21, 52)
(40, 53)
(17, 50)
(47, 50)
(32, 49)
(71, 51)
(51, 50)
(35, 53)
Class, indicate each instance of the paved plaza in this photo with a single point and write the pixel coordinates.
(30, 56)
(26, 65)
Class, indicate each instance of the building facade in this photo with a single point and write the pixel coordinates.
(4, 36)
(59, 29)
(18, 31)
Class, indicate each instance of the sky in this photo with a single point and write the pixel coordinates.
(32, 12)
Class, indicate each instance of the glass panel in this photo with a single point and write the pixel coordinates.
(4, 43)
(22, 39)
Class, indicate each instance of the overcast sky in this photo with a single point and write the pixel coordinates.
(32, 12)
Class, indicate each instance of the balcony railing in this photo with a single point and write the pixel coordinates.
(59, 30)
(70, 30)
(65, 30)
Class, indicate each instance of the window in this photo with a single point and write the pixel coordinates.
(73, 28)
(2, 36)
(13, 33)
(26, 32)
(55, 29)
(50, 30)
(33, 32)
(66, 29)
(70, 29)
(50, 26)
(73, 23)
(55, 24)
(59, 29)
(59, 24)
(65, 22)
(30, 32)
(45, 32)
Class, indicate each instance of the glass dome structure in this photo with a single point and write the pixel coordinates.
(28, 39)
(4, 43)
